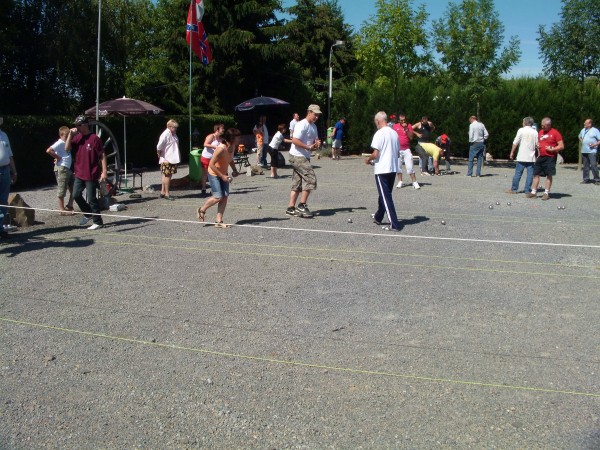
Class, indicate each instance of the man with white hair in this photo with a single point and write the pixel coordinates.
(527, 142)
(384, 158)
(550, 143)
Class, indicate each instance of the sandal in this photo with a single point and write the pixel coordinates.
(221, 225)
(200, 214)
(66, 212)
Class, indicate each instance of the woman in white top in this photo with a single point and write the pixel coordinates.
(273, 148)
(211, 142)
(168, 156)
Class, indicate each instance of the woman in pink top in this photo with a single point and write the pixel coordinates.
(218, 175)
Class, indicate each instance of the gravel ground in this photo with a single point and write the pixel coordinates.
(316, 333)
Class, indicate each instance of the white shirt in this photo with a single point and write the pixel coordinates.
(276, 141)
(385, 140)
(293, 124)
(5, 150)
(308, 134)
(477, 132)
(65, 156)
(527, 140)
(168, 146)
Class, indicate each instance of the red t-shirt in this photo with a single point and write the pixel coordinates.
(548, 138)
(86, 151)
(403, 135)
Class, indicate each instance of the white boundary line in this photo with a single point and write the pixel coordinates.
(353, 233)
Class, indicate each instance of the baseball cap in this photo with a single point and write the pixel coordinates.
(314, 108)
(79, 120)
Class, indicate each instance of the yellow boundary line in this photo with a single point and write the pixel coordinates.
(302, 364)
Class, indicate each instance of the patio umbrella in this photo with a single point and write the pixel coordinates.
(260, 104)
(248, 111)
(124, 107)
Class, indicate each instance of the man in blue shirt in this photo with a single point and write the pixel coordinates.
(337, 134)
(590, 139)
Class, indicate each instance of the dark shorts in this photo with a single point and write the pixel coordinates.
(168, 169)
(274, 154)
(545, 166)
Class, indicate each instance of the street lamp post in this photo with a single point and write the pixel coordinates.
(336, 44)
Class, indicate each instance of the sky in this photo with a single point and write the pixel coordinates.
(521, 18)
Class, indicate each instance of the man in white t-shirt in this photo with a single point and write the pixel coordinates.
(305, 140)
(384, 158)
(293, 123)
(527, 142)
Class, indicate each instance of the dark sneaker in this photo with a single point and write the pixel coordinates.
(291, 211)
(375, 221)
(84, 220)
(303, 210)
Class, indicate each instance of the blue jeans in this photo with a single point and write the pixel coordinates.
(4, 191)
(590, 162)
(94, 205)
(521, 166)
(263, 155)
(475, 151)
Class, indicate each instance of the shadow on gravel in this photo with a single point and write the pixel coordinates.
(29, 241)
(331, 212)
(119, 225)
(261, 220)
(414, 221)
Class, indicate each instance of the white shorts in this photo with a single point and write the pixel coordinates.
(406, 157)
(337, 143)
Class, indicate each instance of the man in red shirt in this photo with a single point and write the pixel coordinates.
(88, 155)
(550, 143)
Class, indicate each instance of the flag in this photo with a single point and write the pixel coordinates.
(195, 32)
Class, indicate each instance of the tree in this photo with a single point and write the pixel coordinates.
(469, 39)
(571, 48)
(394, 44)
(309, 35)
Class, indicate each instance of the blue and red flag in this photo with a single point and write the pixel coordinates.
(196, 34)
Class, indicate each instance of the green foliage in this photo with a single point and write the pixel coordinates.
(502, 110)
(469, 39)
(571, 48)
(394, 44)
(314, 27)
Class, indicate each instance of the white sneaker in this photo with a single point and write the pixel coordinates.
(399, 185)
(9, 228)
(95, 226)
(416, 185)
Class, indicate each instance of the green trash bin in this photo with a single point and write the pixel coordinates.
(194, 164)
(329, 140)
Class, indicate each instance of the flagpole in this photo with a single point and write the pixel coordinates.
(190, 91)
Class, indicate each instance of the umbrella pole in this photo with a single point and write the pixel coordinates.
(125, 145)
